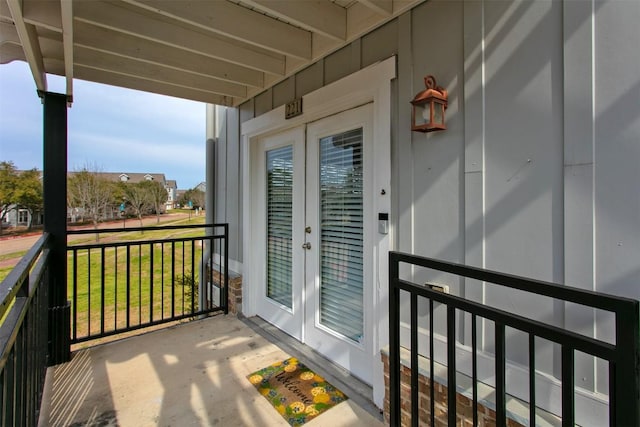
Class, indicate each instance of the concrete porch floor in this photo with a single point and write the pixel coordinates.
(185, 375)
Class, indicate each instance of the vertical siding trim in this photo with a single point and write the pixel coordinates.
(403, 166)
(474, 135)
(579, 212)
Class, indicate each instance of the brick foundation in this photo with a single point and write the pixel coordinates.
(464, 405)
(235, 290)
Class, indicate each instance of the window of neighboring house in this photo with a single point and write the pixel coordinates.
(23, 216)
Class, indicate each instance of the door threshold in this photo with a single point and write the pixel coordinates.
(358, 391)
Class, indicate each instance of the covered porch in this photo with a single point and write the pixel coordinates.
(496, 192)
(189, 374)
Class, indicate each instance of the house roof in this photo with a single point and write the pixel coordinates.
(220, 52)
(132, 177)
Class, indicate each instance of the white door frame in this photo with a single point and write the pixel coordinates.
(372, 84)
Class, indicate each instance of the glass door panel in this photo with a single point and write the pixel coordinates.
(341, 224)
(279, 181)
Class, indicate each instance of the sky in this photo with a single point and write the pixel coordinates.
(110, 129)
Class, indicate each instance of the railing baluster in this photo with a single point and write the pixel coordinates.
(226, 268)
(193, 275)
(88, 292)
(432, 357)
(102, 289)
(532, 379)
(128, 263)
(173, 279)
(10, 389)
(139, 284)
(183, 256)
(19, 402)
(151, 281)
(415, 411)
(474, 368)
(568, 397)
(75, 294)
(394, 343)
(500, 356)
(115, 288)
(162, 281)
(451, 365)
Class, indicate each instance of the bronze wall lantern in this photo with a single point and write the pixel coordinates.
(428, 107)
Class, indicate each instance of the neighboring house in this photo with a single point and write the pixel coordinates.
(74, 214)
(172, 197)
(134, 177)
(201, 187)
(18, 217)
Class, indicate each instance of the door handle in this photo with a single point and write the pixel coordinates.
(306, 245)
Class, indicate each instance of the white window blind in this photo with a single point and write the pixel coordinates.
(279, 224)
(341, 296)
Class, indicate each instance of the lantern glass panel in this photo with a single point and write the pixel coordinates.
(422, 115)
(438, 113)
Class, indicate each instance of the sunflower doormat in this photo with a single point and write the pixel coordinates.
(295, 391)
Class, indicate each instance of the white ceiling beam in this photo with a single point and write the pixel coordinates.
(8, 33)
(114, 79)
(237, 22)
(105, 40)
(30, 46)
(383, 7)
(157, 73)
(119, 19)
(322, 17)
(66, 11)
(41, 13)
(54, 66)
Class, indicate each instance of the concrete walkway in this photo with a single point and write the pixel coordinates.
(192, 374)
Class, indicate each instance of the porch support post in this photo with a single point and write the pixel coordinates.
(207, 270)
(55, 222)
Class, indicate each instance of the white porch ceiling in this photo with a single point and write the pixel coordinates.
(217, 51)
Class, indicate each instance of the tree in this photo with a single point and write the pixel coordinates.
(28, 193)
(138, 198)
(195, 196)
(8, 177)
(87, 191)
(157, 196)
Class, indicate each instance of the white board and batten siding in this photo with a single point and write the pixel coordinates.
(538, 173)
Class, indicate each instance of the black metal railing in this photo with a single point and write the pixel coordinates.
(24, 314)
(622, 356)
(118, 286)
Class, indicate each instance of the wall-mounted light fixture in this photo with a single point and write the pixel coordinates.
(428, 107)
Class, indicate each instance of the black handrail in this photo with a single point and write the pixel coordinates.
(23, 336)
(623, 356)
(147, 228)
(153, 282)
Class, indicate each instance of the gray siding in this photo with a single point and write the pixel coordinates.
(228, 180)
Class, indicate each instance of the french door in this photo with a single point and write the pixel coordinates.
(318, 283)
